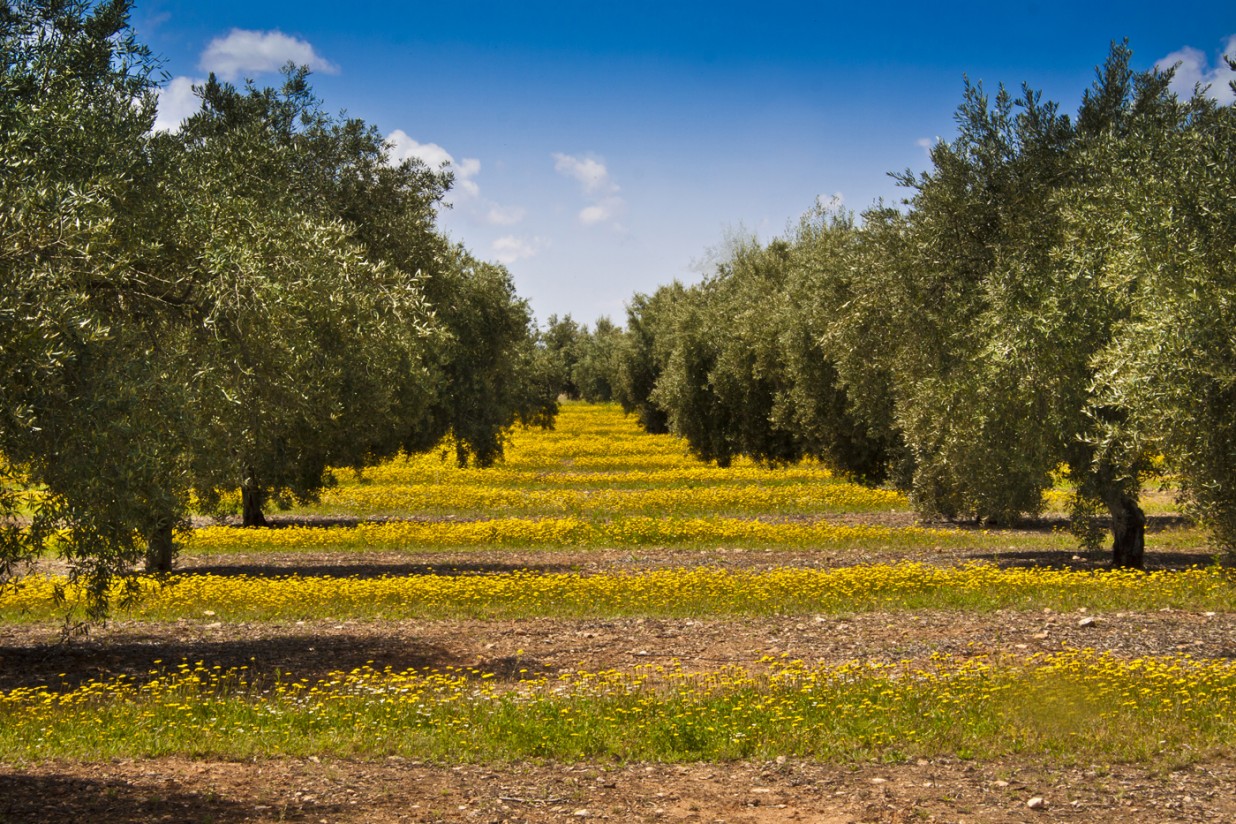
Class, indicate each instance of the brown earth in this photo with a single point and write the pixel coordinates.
(394, 790)
(332, 790)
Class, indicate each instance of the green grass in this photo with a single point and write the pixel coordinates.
(1072, 706)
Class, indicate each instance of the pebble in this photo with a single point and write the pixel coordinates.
(1088, 621)
(1037, 803)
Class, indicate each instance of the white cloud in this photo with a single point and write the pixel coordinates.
(597, 186)
(504, 215)
(602, 211)
(510, 248)
(466, 191)
(176, 103)
(590, 173)
(1193, 67)
(403, 147)
(243, 51)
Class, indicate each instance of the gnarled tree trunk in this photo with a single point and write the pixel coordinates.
(252, 499)
(1128, 532)
(160, 548)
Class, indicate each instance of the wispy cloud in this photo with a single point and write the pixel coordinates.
(242, 52)
(602, 211)
(503, 215)
(1193, 68)
(596, 185)
(830, 202)
(589, 172)
(509, 248)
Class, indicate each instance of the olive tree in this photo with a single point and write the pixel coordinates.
(643, 352)
(312, 348)
(992, 333)
(596, 366)
(89, 335)
(748, 371)
(1160, 226)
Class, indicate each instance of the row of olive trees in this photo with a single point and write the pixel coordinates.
(582, 363)
(1056, 291)
(239, 305)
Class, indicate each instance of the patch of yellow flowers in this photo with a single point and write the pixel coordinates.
(701, 590)
(852, 710)
(596, 464)
(640, 530)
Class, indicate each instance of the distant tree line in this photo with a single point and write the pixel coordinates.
(1054, 292)
(238, 305)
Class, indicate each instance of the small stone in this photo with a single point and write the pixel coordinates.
(879, 781)
(1088, 621)
(581, 813)
(209, 613)
(1037, 803)
(780, 759)
(1000, 783)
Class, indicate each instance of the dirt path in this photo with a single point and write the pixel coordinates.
(760, 793)
(30, 656)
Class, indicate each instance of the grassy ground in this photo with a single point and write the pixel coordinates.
(600, 599)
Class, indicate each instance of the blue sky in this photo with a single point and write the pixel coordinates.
(601, 149)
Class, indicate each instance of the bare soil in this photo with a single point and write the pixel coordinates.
(393, 790)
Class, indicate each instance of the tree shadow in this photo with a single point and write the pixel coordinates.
(367, 570)
(1154, 523)
(34, 799)
(284, 521)
(298, 652)
(1081, 559)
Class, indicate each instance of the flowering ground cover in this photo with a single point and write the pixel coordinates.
(601, 612)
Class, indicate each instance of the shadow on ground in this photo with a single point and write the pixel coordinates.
(1090, 559)
(34, 799)
(368, 570)
(301, 652)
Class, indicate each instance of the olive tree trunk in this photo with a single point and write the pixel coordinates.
(160, 548)
(252, 499)
(1128, 532)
